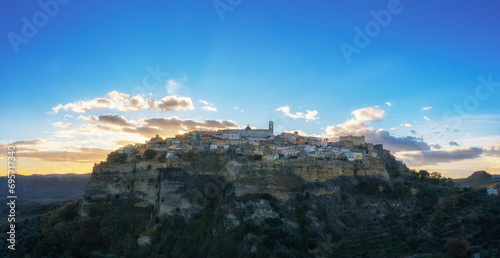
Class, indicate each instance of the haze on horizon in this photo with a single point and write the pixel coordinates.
(82, 79)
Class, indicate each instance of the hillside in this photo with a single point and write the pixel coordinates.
(37, 189)
(210, 204)
(478, 179)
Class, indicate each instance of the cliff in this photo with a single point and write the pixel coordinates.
(228, 205)
(169, 186)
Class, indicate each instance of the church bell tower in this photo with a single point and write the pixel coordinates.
(271, 127)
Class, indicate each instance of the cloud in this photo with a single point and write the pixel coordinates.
(436, 146)
(395, 144)
(310, 115)
(426, 118)
(208, 106)
(361, 127)
(120, 127)
(26, 142)
(34, 149)
(369, 114)
(170, 126)
(393, 129)
(389, 104)
(413, 132)
(352, 126)
(61, 125)
(406, 125)
(123, 142)
(426, 108)
(173, 87)
(125, 102)
(453, 143)
(239, 109)
(492, 149)
(107, 119)
(171, 103)
(82, 155)
(435, 157)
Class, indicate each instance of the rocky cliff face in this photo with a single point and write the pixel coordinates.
(185, 186)
(226, 205)
(144, 183)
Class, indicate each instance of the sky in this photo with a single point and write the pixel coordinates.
(80, 79)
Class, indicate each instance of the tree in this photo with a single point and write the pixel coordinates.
(256, 157)
(424, 174)
(435, 175)
(457, 248)
(191, 155)
(116, 157)
(149, 154)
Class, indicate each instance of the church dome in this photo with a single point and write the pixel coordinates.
(248, 127)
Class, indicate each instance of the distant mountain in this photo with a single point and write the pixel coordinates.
(36, 189)
(478, 179)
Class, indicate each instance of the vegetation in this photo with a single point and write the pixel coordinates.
(356, 216)
(116, 158)
(149, 154)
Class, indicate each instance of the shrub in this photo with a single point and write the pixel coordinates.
(273, 222)
(149, 154)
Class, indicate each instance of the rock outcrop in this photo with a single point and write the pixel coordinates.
(180, 186)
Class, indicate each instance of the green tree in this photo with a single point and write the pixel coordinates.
(424, 174)
(116, 157)
(149, 154)
(191, 155)
(435, 175)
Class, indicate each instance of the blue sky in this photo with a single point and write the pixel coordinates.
(260, 57)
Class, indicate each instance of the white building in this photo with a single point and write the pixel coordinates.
(492, 191)
(231, 136)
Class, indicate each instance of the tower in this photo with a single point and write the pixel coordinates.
(271, 127)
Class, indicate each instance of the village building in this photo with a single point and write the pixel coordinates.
(492, 191)
(356, 140)
(249, 132)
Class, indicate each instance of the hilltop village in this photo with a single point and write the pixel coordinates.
(262, 144)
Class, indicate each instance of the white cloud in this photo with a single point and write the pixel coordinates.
(426, 118)
(208, 106)
(406, 125)
(61, 125)
(426, 108)
(492, 149)
(173, 87)
(355, 126)
(239, 109)
(369, 114)
(389, 104)
(309, 115)
(125, 102)
(393, 129)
